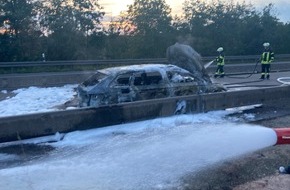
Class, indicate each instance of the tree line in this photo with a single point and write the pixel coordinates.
(76, 29)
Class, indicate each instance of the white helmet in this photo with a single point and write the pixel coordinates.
(266, 44)
(220, 49)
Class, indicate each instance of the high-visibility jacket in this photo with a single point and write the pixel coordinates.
(267, 57)
(220, 60)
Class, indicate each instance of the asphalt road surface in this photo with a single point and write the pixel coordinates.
(249, 81)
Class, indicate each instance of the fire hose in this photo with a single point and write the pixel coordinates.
(283, 135)
(284, 80)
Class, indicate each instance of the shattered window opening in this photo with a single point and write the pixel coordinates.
(180, 77)
(95, 79)
(148, 78)
(123, 80)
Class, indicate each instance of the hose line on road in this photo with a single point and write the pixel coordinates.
(253, 81)
(252, 86)
(253, 72)
(284, 80)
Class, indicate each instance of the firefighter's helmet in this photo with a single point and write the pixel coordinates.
(266, 44)
(220, 49)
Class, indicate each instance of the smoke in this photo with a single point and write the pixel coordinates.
(187, 58)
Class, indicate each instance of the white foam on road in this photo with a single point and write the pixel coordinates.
(153, 154)
(35, 100)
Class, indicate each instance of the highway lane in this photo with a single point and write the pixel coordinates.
(247, 81)
(49, 79)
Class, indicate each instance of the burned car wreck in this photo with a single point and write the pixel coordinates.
(139, 82)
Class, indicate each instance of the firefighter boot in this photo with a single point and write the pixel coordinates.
(268, 77)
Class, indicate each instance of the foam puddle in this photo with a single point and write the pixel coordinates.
(153, 154)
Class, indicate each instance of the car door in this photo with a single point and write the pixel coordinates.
(121, 89)
(182, 84)
(149, 85)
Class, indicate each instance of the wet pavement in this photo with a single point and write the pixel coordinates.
(22, 154)
(251, 81)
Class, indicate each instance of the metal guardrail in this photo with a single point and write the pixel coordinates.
(45, 66)
(61, 66)
(81, 62)
(230, 59)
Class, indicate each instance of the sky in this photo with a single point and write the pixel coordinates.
(114, 7)
(132, 156)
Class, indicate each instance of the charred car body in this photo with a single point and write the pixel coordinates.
(137, 82)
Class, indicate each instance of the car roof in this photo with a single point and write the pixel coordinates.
(141, 67)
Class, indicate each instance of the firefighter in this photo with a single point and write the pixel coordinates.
(220, 61)
(284, 170)
(266, 60)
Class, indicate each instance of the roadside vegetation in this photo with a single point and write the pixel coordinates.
(54, 30)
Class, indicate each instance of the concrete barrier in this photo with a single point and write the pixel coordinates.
(42, 124)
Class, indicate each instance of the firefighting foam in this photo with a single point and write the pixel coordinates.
(152, 154)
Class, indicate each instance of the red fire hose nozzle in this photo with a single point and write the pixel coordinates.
(283, 135)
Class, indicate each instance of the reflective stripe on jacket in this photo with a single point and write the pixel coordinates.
(267, 57)
(220, 59)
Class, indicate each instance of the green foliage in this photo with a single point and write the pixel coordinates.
(72, 29)
(19, 30)
(150, 21)
(238, 27)
(69, 23)
(71, 15)
(149, 16)
(217, 24)
(17, 16)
